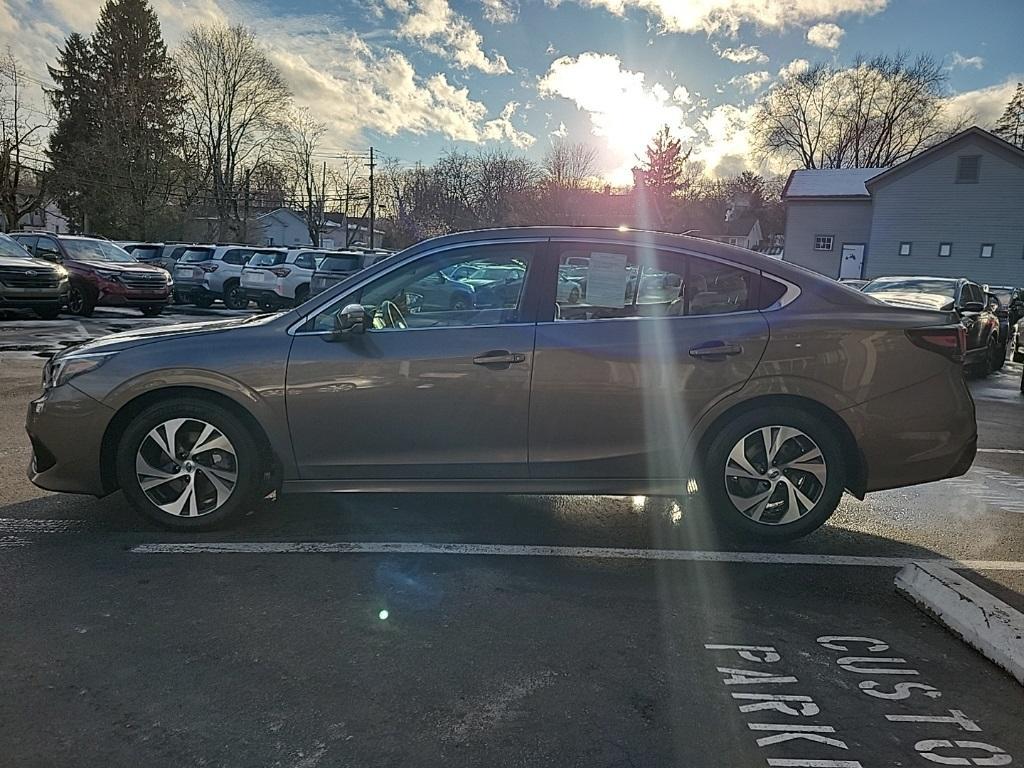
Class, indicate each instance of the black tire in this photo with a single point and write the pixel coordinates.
(301, 294)
(988, 362)
(721, 508)
(48, 313)
(249, 465)
(1018, 356)
(152, 311)
(1000, 357)
(460, 303)
(81, 301)
(203, 300)
(234, 296)
(267, 306)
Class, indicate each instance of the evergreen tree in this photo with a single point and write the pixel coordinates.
(660, 175)
(73, 100)
(118, 98)
(1010, 127)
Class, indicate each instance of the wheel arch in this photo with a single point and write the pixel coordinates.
(130, 409)
(856, 480)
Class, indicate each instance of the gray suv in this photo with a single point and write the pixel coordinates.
(774, 387)
(30, 283)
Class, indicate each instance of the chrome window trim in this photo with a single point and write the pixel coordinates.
(293, 329)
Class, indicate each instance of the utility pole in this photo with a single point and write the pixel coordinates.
(372, 211)
(322, 219)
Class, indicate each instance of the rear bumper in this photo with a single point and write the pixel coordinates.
(920, 434)
(266, 295)
(66, 429)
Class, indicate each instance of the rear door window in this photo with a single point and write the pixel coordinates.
(305, 261)
(266, 259)
(342, 263)
(47, 248)
(195, 255)
(598, 282)
(238, 256)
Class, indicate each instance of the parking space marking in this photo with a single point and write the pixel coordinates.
(1001, 450)
(533, 550)
(994, 487)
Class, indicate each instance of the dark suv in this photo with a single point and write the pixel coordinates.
(101, 273)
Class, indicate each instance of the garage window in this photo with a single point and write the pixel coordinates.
(987, 250)
(905, 248)
(945, 249)
(823, 242)
(968, 169)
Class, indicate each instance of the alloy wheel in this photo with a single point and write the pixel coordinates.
(76, 300)
(775, 475)
(186, 467)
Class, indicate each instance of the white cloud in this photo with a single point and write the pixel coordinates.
(501, 11)
(794, 68)
(442, 31)
(560, 132)
(827, 35)
(963, 62)
(623, 109)
(742, 54)
(751, 82)
(727, 15)
(725, 140)
(986, 104)
(501, 128)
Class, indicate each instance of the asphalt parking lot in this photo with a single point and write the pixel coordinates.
(374, 629)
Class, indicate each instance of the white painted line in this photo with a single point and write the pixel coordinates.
(1001, 450)
(980, 619)
(532, 550)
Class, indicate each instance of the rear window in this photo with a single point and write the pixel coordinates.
(340, 263)
(193, 255)
(938, 287)
(146, 251)
(267, 259)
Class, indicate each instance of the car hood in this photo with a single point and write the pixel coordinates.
(26, 262)
(119, 266)
(117, 342)
(913, 300)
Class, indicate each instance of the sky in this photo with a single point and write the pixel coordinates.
(414, 78)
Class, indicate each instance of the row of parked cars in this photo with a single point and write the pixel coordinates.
(990, 314)
(47, 272)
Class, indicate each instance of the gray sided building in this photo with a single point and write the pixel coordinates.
(955, 210)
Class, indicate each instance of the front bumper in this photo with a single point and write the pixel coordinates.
(32, 300)
(66, 429)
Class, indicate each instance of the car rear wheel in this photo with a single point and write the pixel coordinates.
(774, 473)
(988, 362)
(202, 300)
(234, 296)
(189, 464)
(152, 311)
(459, 304)
(80, 301)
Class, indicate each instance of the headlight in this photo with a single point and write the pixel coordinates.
(64, 369)
(62, 274)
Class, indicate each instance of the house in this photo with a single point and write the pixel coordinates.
(743, 229)
(952, 211)
(285, 227)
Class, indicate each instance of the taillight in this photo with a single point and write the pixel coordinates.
(281, 271)
(209, 267)
(947, 340)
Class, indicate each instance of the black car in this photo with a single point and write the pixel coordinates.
(949, 294)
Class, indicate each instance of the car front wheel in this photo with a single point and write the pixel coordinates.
(189, 464)
(775, 473)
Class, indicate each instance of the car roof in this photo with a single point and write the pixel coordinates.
(916, 277)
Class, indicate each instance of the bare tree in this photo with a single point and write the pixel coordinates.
(307, 176)
(875, 113)
(235, 99)
(570, 165)
(22, 184)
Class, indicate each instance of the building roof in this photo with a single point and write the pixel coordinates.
(830, 182)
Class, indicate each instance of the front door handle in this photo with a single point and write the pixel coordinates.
(499, 357)
(716, 349)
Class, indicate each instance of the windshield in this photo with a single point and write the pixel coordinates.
(10, 247)
(340, 263)
(267, 259)
(194, 255)
(938, 287)
(87, 249)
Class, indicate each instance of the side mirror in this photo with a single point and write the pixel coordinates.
(972, 306)
(350, 321)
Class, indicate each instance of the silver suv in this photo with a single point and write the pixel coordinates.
(205, 273)
(30, 283)
(281, 279)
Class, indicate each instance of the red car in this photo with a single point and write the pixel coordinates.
(101, 273)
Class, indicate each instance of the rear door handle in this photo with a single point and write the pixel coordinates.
(499, 357)
(716, 349)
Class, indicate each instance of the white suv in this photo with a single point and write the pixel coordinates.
(205, 273)
(277, 278)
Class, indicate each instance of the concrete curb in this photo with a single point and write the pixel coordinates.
(982, 621)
